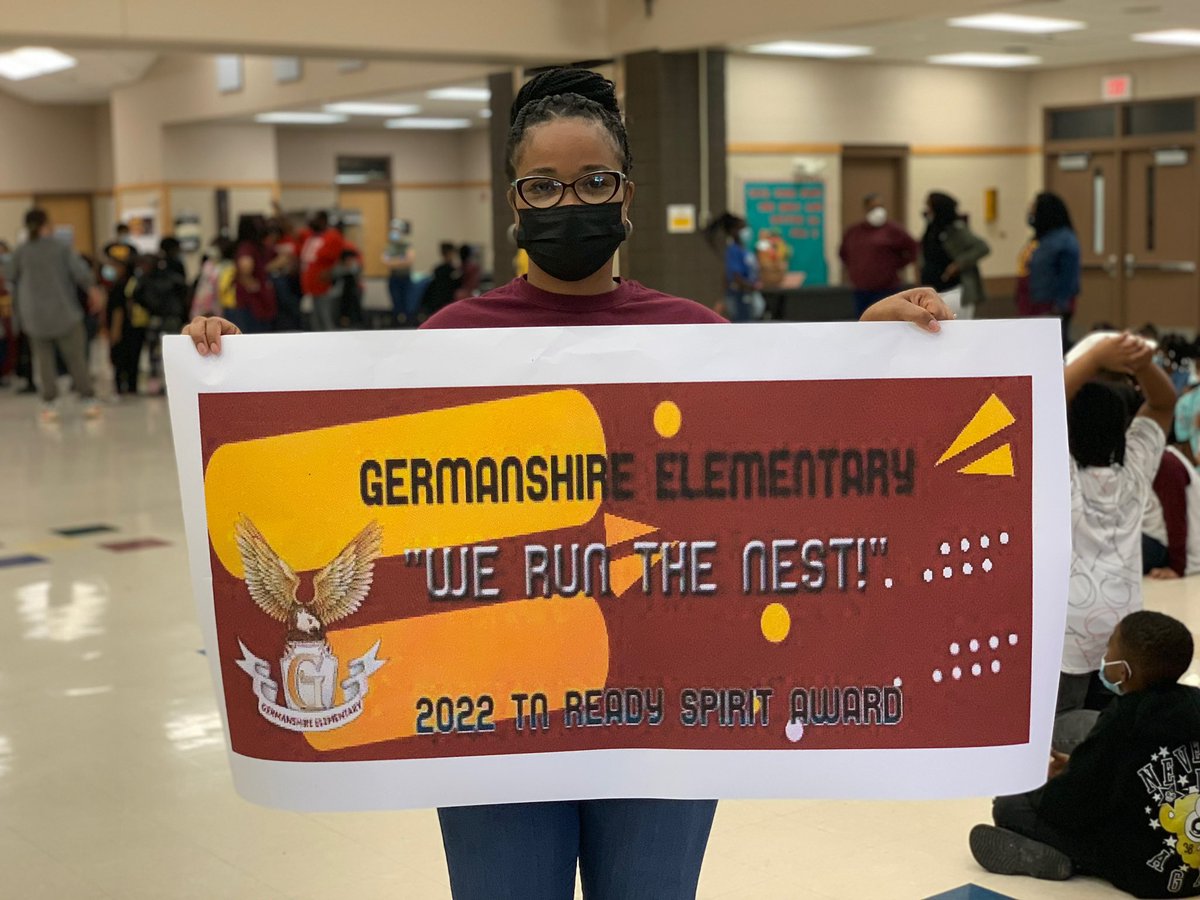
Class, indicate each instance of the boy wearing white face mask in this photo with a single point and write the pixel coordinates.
(1123, 806)
(875, 252)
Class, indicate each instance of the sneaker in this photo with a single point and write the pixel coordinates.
(1008, 853)
(91, 409)
(48, 415)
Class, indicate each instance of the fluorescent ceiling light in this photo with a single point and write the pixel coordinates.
(485, 114)
(986, 60)
(299, 118)
(416, 122)
(31, 62)
(372, 109)
(1019, 24)
(808, 48)
(478, 95)
(1182, 37)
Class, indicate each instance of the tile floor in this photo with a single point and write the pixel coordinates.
(113, 778)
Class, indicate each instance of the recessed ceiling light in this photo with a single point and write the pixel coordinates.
(31, 62)
(1182, 37)
(372, 109)
(985, 60)
(415, 122)
(808, 48)
(1015, 23)
(478, 95)
(299, 118)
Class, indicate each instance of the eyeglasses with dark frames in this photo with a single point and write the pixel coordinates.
(544, 192)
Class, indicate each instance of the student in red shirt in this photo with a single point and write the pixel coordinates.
(568, 162)
(322, 251)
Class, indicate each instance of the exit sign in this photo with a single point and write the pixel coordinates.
(1116, 87)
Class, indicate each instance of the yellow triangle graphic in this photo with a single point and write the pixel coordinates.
(998, 462)
(992, 417)
(618, 530)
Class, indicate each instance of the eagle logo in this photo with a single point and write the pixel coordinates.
(308, 667)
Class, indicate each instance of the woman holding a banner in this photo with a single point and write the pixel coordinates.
(568, 161)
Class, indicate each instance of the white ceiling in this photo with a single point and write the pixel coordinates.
(98, 73)
(1106, 39)
(441, 109)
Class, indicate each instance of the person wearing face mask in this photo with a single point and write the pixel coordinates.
(568, 164)
(950, 253)
(743, 302)
(1114, 457)
(875, 252)
(1123, 805)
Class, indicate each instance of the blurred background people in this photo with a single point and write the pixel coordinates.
(398, 257)
(442, 286)
(321, 252)
(1052, 266)
(470, 274)
(256, 304)
(950, 254)
(46, 274)
(741, 266)
(876, 251)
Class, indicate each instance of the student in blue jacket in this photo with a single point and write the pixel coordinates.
(1054, 265)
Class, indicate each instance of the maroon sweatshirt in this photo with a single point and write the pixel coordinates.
(1171, 486)
(519, 304)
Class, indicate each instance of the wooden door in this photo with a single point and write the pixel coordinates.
(1162, 236)
(864, 174)
(374, 211)
(1089, 183)
(72, 211)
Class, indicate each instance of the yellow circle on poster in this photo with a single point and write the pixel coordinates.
(776, 622)
(667, 419)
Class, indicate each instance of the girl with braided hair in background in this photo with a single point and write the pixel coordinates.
(568, 161)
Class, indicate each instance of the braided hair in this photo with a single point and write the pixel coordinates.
(564, 93)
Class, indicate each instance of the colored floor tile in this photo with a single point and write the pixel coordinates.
(83, 530)
(26, 559)
(970, 892)
(139, 544)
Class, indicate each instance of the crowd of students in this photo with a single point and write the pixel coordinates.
(55, 302)
(1120, 800)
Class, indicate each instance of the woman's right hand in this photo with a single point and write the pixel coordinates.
(206, 333)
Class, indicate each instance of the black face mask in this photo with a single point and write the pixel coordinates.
(571, 242)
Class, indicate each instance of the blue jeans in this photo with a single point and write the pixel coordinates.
(625, 849)
(400, 290)
(864, 299)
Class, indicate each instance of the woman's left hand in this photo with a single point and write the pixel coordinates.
(921, 306)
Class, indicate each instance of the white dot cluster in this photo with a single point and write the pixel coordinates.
(974, 645)
(964, 545)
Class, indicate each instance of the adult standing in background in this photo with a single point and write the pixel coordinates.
(398, 257)
(321, 252)
(1054, 262)
(950, 253)
(470, 274)
(46, 274)
(875, 251)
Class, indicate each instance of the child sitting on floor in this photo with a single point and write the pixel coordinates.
(1123, 806)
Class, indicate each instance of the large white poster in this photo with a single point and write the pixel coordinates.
(460, 567)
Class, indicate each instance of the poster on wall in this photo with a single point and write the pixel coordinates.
(143, 228)
(796, 211)
(535, 564)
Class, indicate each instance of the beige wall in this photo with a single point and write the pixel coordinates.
(46, 148)
(789, 100)
(308, 155)
(786, 113)
(219, 152)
